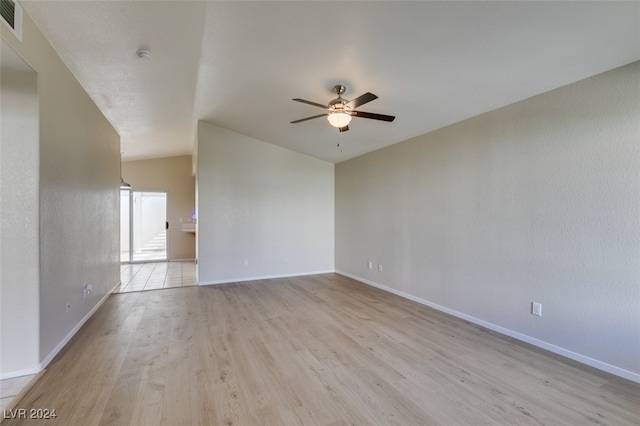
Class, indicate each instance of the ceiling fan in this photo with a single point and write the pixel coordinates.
(340, 110)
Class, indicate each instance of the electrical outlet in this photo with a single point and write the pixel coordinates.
(370, 265)
(379, 267)
(86, 290)
(536, 309)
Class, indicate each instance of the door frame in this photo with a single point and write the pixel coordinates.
(166, 216)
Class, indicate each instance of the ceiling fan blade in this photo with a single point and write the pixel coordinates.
(310, 103)
(308, 118)
(343, 129)
(361, 100)
(372, 115)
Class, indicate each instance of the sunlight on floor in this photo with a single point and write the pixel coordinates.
(154, 276)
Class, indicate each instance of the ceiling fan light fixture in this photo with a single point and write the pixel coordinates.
(339, 119)
(339, 111)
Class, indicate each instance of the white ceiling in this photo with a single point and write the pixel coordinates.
(239, 64)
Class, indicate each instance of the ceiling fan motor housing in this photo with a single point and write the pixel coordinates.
(339, 103)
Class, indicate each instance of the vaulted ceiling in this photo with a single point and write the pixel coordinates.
(238, 64)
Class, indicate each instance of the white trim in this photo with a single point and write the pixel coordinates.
(629, 375)
(114, 288)
(18, 373)
(263, 277)
(75, 329)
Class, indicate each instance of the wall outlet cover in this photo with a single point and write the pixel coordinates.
(536, 309)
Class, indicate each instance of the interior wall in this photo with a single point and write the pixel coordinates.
(79, 195)
(174, 175)
(535, 202)
(19, 236)
(263, 211)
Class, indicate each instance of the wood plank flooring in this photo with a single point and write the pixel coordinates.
(11, 388)
(314, 350)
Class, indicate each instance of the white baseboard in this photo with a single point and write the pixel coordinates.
(629, 375)
(75, 329)
(18, 373)
(114, 288)
(262, 277)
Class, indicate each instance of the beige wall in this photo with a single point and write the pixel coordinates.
(263, 211)
(19, 228)
(78, 195)
(538, 201)
(174, 175)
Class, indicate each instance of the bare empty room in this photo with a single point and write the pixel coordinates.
(393, 212)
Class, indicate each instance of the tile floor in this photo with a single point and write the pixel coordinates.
(154, 276)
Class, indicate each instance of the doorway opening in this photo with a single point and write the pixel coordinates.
(143, 226)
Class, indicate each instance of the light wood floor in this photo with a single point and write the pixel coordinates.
(321, 349)
(10, 388)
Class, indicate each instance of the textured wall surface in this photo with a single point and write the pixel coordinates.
(171, 174)
(19, 228)
(538, 201)
(263, 211)
(79, 194)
